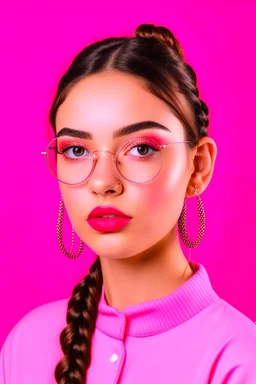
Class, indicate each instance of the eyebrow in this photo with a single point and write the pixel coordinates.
(128, 129)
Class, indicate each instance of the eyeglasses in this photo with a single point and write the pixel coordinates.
(71, 162)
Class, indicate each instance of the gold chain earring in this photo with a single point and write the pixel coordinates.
(183, 219)
(59, 228)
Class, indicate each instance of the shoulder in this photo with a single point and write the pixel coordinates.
(234, 323)
(229, 327)
(46, 317)
(241, 333)
(34, 339)
(234, 337)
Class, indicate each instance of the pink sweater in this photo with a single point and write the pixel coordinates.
(191, 336)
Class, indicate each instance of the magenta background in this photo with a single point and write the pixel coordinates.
(38, 42)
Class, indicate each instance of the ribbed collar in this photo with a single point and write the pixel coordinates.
(157, 316)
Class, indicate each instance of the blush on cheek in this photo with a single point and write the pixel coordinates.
(163, 205)
(72, 199)
(154, 197)
(167, 190)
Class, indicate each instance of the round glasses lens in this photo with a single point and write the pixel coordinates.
(139, 160)
(69, 160)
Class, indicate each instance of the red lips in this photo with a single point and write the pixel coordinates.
(102, 211)
(107, 224)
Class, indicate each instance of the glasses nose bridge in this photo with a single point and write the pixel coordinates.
(103, 150)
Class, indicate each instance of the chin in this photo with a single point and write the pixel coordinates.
(112, 246)
(114, 253)
(120, 244)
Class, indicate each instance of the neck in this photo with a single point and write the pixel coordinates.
(155, 273)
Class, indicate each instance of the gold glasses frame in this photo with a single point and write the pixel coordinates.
(95, 158)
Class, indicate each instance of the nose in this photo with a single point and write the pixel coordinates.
(105, 178)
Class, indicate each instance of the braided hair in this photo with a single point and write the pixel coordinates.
(155, 55)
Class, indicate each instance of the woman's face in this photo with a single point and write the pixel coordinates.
(101, 104)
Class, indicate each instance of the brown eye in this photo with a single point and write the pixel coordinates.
(143, 149)
(78, 151)
(74, 152)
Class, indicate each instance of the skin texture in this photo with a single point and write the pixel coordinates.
(143, 261)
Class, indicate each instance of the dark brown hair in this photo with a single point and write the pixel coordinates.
(155, 55)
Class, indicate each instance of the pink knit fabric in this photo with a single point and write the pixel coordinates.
(191, 336)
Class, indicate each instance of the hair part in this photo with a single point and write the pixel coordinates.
(154, 55)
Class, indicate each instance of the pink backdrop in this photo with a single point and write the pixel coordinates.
(38, 42)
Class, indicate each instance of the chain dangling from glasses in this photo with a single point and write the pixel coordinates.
(183, 221)
(59, 228)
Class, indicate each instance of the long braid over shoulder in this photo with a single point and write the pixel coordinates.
(75, 338)
(155, 55)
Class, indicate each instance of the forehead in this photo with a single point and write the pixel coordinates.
(103, 102)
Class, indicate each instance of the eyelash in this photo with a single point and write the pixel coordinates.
(64, 148)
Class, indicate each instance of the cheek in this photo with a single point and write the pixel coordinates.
(163, 199)
(168, 188)
(72, 202)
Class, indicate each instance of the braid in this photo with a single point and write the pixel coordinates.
(185, 75)
(201, 109)
(75, 338)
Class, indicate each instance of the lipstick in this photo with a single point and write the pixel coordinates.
(107, 219)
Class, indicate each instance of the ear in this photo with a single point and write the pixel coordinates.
(202, 165)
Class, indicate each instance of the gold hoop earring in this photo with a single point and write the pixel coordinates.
(183, 220)
(59, 229)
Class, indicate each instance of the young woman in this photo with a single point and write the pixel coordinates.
(130, 145)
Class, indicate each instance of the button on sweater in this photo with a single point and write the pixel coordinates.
(191, 336)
